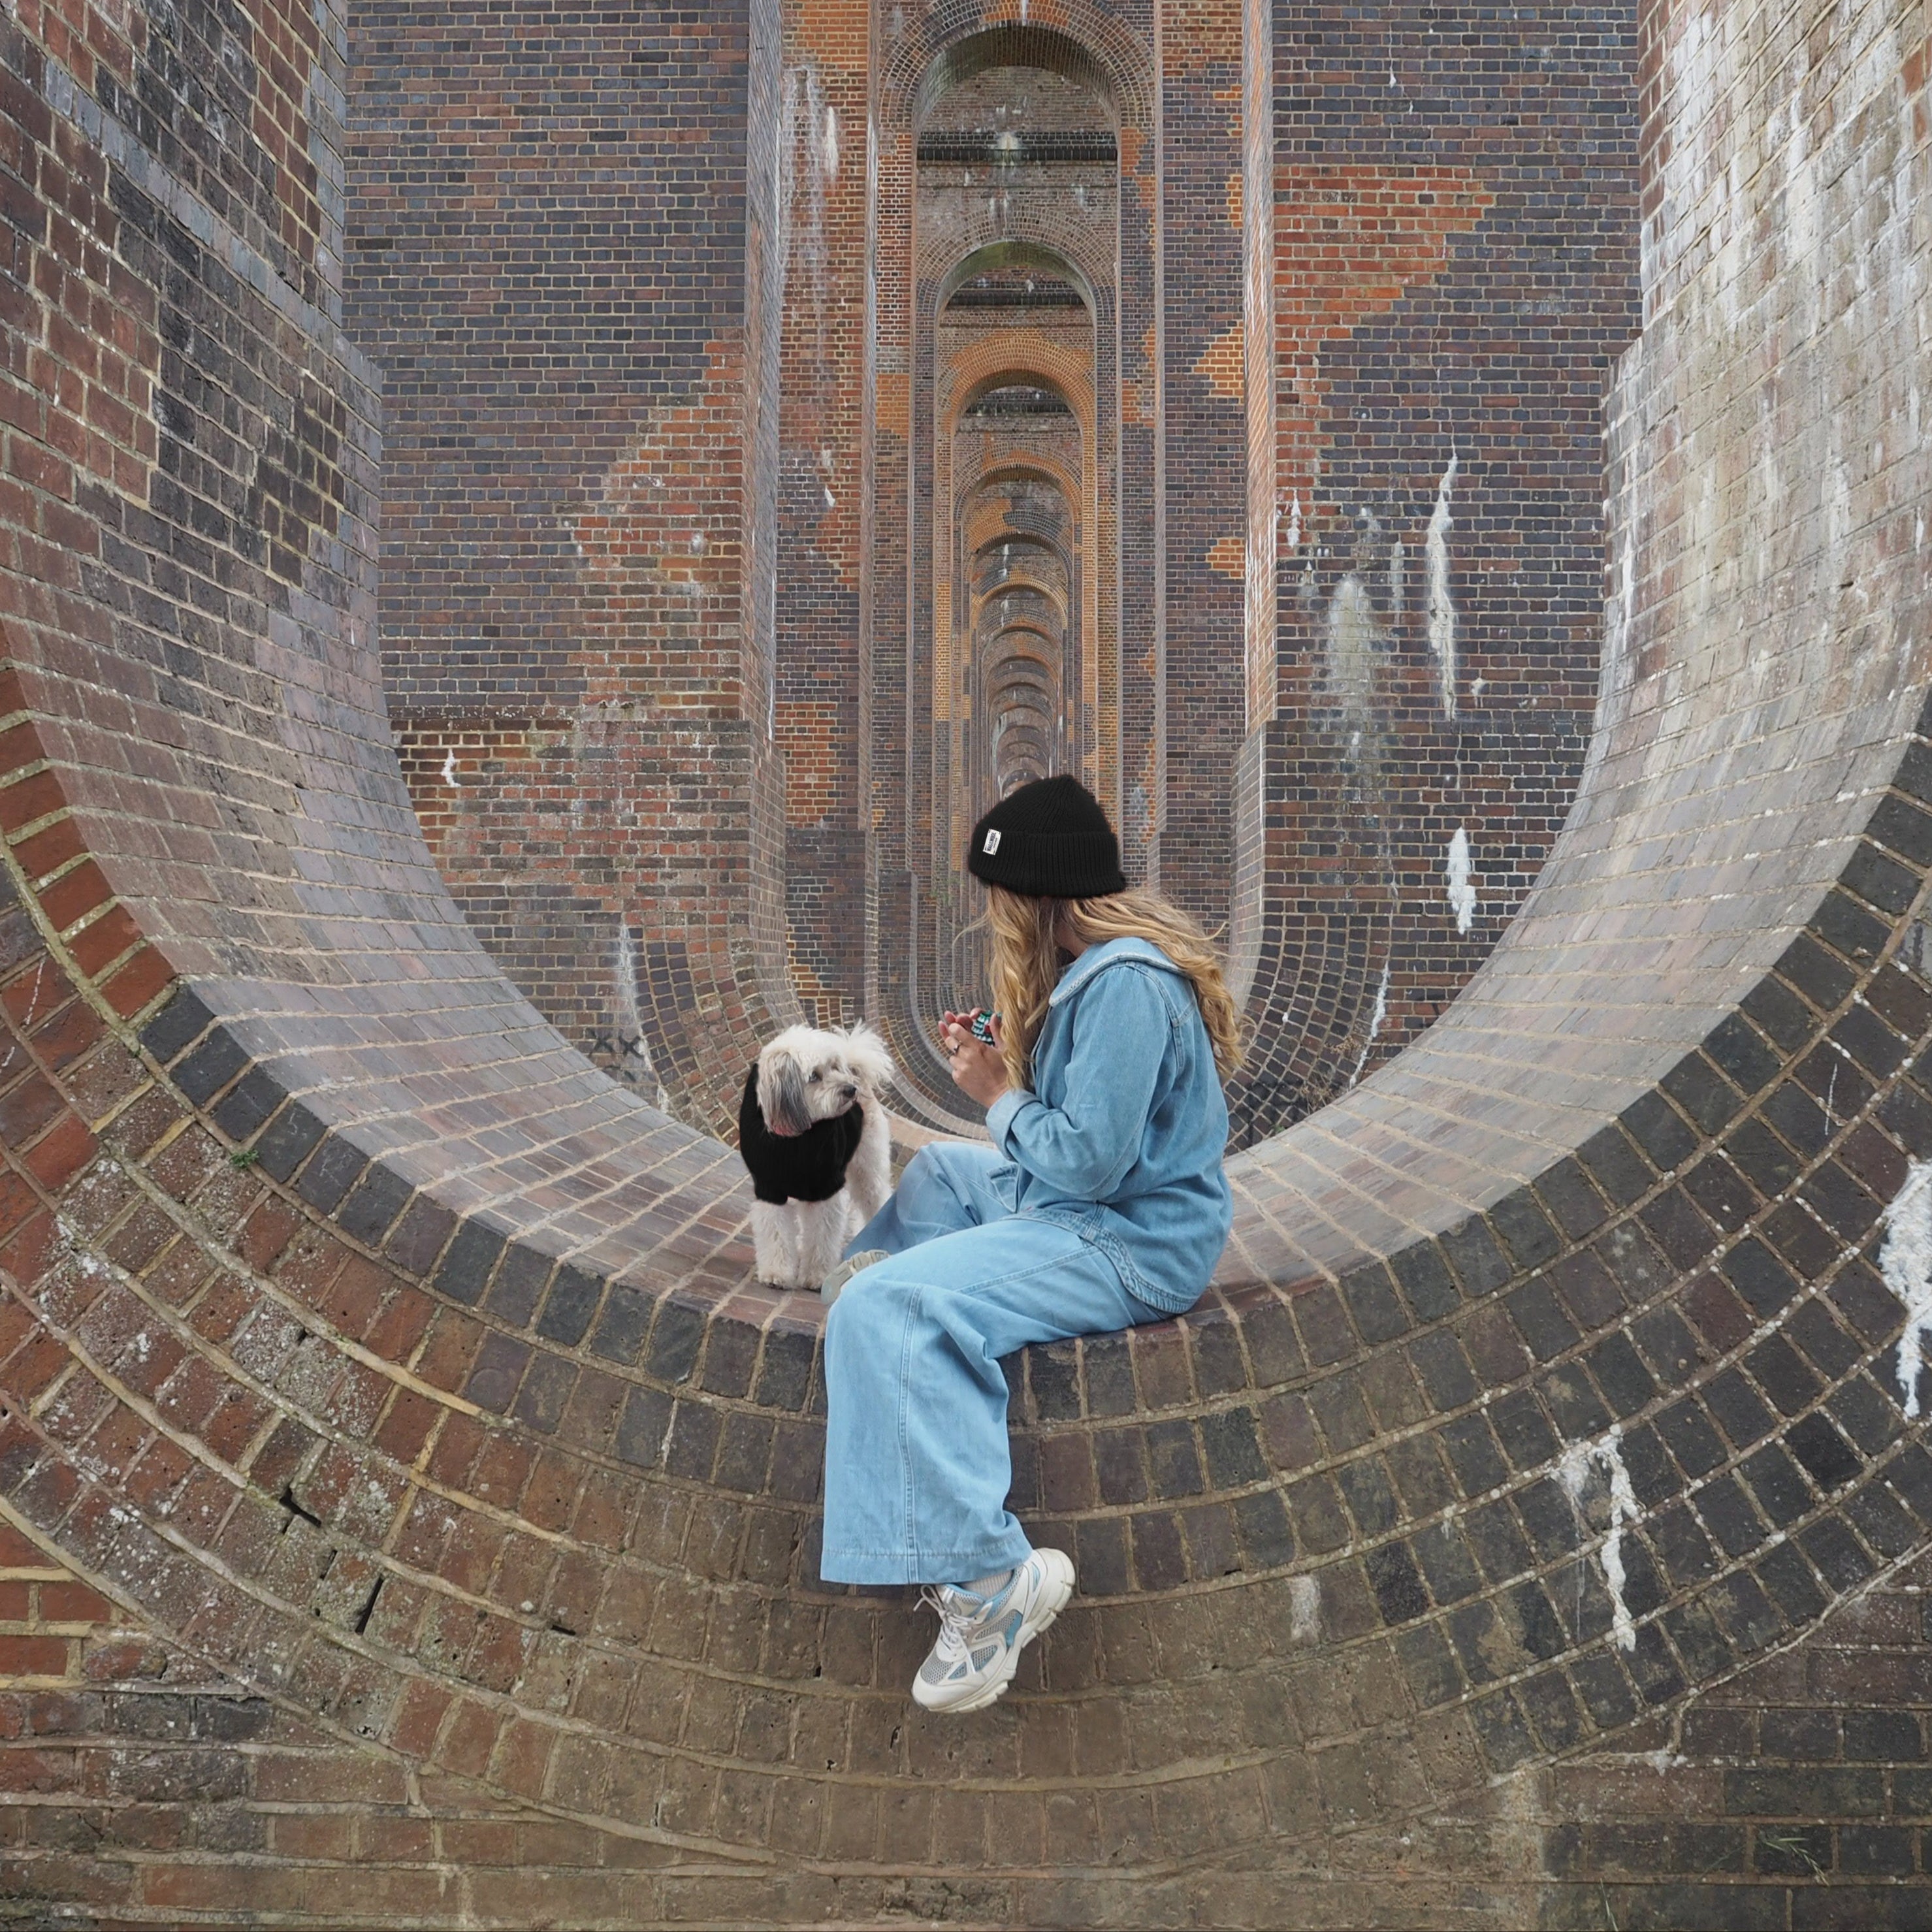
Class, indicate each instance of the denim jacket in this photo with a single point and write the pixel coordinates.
(1122, 1136)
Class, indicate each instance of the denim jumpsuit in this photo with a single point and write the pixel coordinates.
(1102, 1203)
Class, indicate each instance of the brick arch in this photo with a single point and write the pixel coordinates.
(907, 279)
(1031, 653)
(1041, 563)
(1021, 704)
(1001, 252)
(982, 512)
(1036, 597)
(1020, 629)
(1015, 539)
(1027, 686)
(361, 1341)
(1029, 676)
(1087, 256)
(1036, 583)
(998, 625)
(1006, 468)
(1046, 571)
(1083, 41)
(1010, 740)
(1033, 465)
(1016, 356)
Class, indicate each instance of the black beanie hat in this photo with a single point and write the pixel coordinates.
(1050, 840)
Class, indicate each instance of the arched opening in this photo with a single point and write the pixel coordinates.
(1022, 626)
(1014, 422)
(1014, 299)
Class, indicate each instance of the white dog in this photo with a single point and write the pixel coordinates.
(813, 1132)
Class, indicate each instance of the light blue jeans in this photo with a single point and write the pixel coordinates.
(917, 1462)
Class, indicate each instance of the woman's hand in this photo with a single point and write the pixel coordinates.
(977, 1068)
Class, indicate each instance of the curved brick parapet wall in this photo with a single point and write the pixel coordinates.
(410, 1500)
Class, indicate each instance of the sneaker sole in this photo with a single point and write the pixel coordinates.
(834, 1284)
(1054, 1593)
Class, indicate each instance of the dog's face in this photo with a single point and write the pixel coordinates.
(809, 1074)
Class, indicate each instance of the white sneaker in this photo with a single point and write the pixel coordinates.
(830, 1286)
(980, 1638)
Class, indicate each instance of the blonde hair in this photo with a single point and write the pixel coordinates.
(1026, 967)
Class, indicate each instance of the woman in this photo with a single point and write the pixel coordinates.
(1100, 1204)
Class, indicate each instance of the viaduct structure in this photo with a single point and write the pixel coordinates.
(524, 533)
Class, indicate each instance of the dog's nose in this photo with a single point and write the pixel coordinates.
(851, 1092)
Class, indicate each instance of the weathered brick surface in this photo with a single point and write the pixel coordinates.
(786, 734)
(410, 1504)
(578, 557)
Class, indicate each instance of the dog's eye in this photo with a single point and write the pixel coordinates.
(815, 1076)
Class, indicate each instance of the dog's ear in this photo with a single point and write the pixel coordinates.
(782, 1098)
(871, 1059)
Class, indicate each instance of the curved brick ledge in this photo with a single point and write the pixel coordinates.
(1421, 1504)
(365, 1343)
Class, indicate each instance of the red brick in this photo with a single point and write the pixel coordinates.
(33, 1656)
(16, 1552)
(26, 1250)
(61, 1152)
(135, 985)
(266, 1233)
(128, 1661)
(52, 846)
(418, 1717)
(74, 894)
(74, 1603)
(469, 1740)
(406, 1425)
(97, 946)
(26, 799)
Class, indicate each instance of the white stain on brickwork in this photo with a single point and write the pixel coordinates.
(89, 1263)
(1441, 607)
(1905, 1260)
(1462, 881)
(1351, 647)
(1375, 1019)
(1617, 619)
(1573, 1471)
(1304, 1610)
(449, 777)
(633, 1050)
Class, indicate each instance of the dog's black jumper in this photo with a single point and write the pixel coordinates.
(810, 1166)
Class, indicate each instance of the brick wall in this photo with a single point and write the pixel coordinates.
(410, 1502)
(1452, 271)
(553, 236)
(1454, 237)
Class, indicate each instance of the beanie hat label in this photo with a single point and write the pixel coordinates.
(992, 843)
